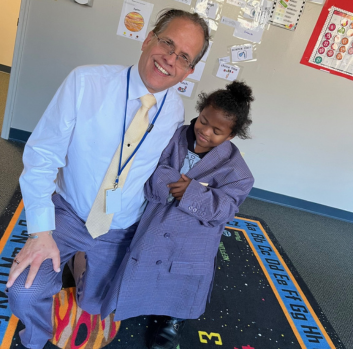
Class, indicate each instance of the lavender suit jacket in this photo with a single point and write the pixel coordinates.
(168, 269)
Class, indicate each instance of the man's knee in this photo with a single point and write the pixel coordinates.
(42, 289)
(21, 298)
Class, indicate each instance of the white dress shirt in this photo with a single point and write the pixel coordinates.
(74, 142)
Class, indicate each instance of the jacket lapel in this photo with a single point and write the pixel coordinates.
(218, 156)
(183, 148)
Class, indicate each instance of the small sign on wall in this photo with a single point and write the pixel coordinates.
(185, 88)
(228, 72)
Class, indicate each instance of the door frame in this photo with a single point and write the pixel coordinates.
(16, 67)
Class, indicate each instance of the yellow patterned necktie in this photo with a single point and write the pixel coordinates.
(98, 222)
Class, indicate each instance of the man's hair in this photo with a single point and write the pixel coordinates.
(167, 15)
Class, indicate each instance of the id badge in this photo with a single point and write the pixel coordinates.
(112, 200)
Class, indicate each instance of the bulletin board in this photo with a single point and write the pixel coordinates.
(330, 47)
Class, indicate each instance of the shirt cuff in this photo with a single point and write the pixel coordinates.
(40, 219)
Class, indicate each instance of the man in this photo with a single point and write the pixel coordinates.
(79, 134)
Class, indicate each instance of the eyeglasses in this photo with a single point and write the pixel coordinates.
(182, 60)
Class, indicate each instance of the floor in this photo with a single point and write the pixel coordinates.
(319, 247)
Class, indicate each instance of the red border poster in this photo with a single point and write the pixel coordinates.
(330, 47)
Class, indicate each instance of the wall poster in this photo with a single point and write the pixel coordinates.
(134, 19)
(286, 13)
(330, 47)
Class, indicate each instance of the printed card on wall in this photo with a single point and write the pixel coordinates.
(229, 21)
(225, 59)
(227, 72)
(185, 88)
(265, 12)
(246, 30)
(186, 2)
(286, 13)
(320, 2)
(249, 10)
(259, 12)
(207, 8)
(242, 53)
(134, 19)
(197, 74)
(334, 47)
(239, 3)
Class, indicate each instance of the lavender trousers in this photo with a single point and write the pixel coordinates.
(104, 254)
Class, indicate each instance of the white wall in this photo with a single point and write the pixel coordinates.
(9, 10)
(302, 129)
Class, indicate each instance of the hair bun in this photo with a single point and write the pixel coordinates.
(240, 91)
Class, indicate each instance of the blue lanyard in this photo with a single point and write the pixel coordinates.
(121, 169)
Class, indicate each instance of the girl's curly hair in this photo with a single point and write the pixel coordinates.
(234, 101)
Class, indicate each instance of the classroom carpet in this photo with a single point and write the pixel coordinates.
(258, 301)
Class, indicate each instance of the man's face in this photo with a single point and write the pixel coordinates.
(158, 69)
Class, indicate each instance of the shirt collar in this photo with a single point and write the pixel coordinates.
(138, 89)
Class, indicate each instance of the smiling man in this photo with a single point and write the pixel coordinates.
(157, 66)
(96, 109)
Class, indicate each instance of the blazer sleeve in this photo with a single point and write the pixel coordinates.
(156, 189)
(215, 206)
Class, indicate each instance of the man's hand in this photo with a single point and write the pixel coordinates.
(33, 253)
(178, 188)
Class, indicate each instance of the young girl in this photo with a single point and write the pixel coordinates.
(198, 186)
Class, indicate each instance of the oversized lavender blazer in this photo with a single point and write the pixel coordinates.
(169, 266)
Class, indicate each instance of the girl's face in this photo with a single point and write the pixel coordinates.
(211, 129)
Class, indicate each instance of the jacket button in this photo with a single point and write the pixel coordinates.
(190, 208)
(194, 210)
(159, 262)
(166, 235)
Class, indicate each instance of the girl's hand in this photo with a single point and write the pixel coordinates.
(178, 188)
